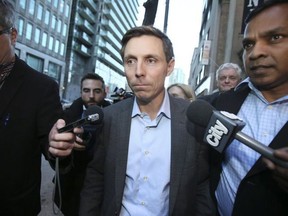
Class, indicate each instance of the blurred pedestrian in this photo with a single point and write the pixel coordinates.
(181, 90)
(228, 76)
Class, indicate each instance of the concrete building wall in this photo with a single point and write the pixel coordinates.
(222, 24)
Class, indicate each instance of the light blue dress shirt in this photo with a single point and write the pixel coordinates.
(263, 121)
(147, 186)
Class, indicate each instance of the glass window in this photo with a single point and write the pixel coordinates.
(67, 10)
(22, 4)
(35, 62)
(40, 12)
(32, 7)
(44, 39)
(62, 49)
(64, 31)
(53, 21)
(56, 48)
(47, 17)
(37, 35)
(54, 71)
(59, 25)
(20, 26)
(62, 5)
(51, 40)
(29, 31)
(55, 3)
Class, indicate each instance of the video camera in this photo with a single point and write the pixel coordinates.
(120, 94)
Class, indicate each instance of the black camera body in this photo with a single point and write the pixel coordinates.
(121, 94)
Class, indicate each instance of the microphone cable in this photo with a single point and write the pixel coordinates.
(93, 115)
(57, 184)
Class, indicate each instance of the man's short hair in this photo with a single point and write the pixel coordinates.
(266, 4)
(7, 14)
(151, 31)
(93, 76)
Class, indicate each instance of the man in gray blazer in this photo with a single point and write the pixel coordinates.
(146, 163)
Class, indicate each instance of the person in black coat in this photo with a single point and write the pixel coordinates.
(30, 105)
(242, 181)
(93, 92)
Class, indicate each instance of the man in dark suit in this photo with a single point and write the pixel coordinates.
(146, 163)
(93, 92)
(244, 183)
(29, 107)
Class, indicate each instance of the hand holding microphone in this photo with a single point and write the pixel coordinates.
(223, 127)
(62, 139)
(93, 115)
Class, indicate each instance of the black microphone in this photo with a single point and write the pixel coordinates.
(222, 127)
(93, 115)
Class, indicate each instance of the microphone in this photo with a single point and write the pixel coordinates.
(93, 115)
(222, 127)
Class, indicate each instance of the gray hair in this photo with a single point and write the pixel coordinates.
(229, 66)
(7, 16)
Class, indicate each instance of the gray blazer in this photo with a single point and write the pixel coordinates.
(105, 176)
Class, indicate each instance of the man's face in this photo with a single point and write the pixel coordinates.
(8, 38)
(265, 46)
(146, 68)
(92, 92)
(228, 78)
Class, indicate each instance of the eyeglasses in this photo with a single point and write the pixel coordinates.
(7, 30)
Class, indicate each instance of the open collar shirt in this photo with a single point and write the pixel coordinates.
(148, 169)
(263, 121)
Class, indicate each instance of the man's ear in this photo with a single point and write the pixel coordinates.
(171, 65)
(14, 35)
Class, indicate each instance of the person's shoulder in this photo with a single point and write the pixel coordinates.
(210, 98)
(33, 74)
(106, 103)
(76, 104)
(120, 106)
(179, 103)
(243, 89)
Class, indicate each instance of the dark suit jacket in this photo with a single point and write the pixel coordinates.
(211, 97)
(105, 177)
(29, 107)
(258, 193)
(72, 181)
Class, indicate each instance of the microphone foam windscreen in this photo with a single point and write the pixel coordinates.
(94, 109)
(199, 112)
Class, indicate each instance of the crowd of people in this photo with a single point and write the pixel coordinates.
(145, 157)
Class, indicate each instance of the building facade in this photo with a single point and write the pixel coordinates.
(42, 35)
(66, 39)
(94, 42)
(220, 41)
